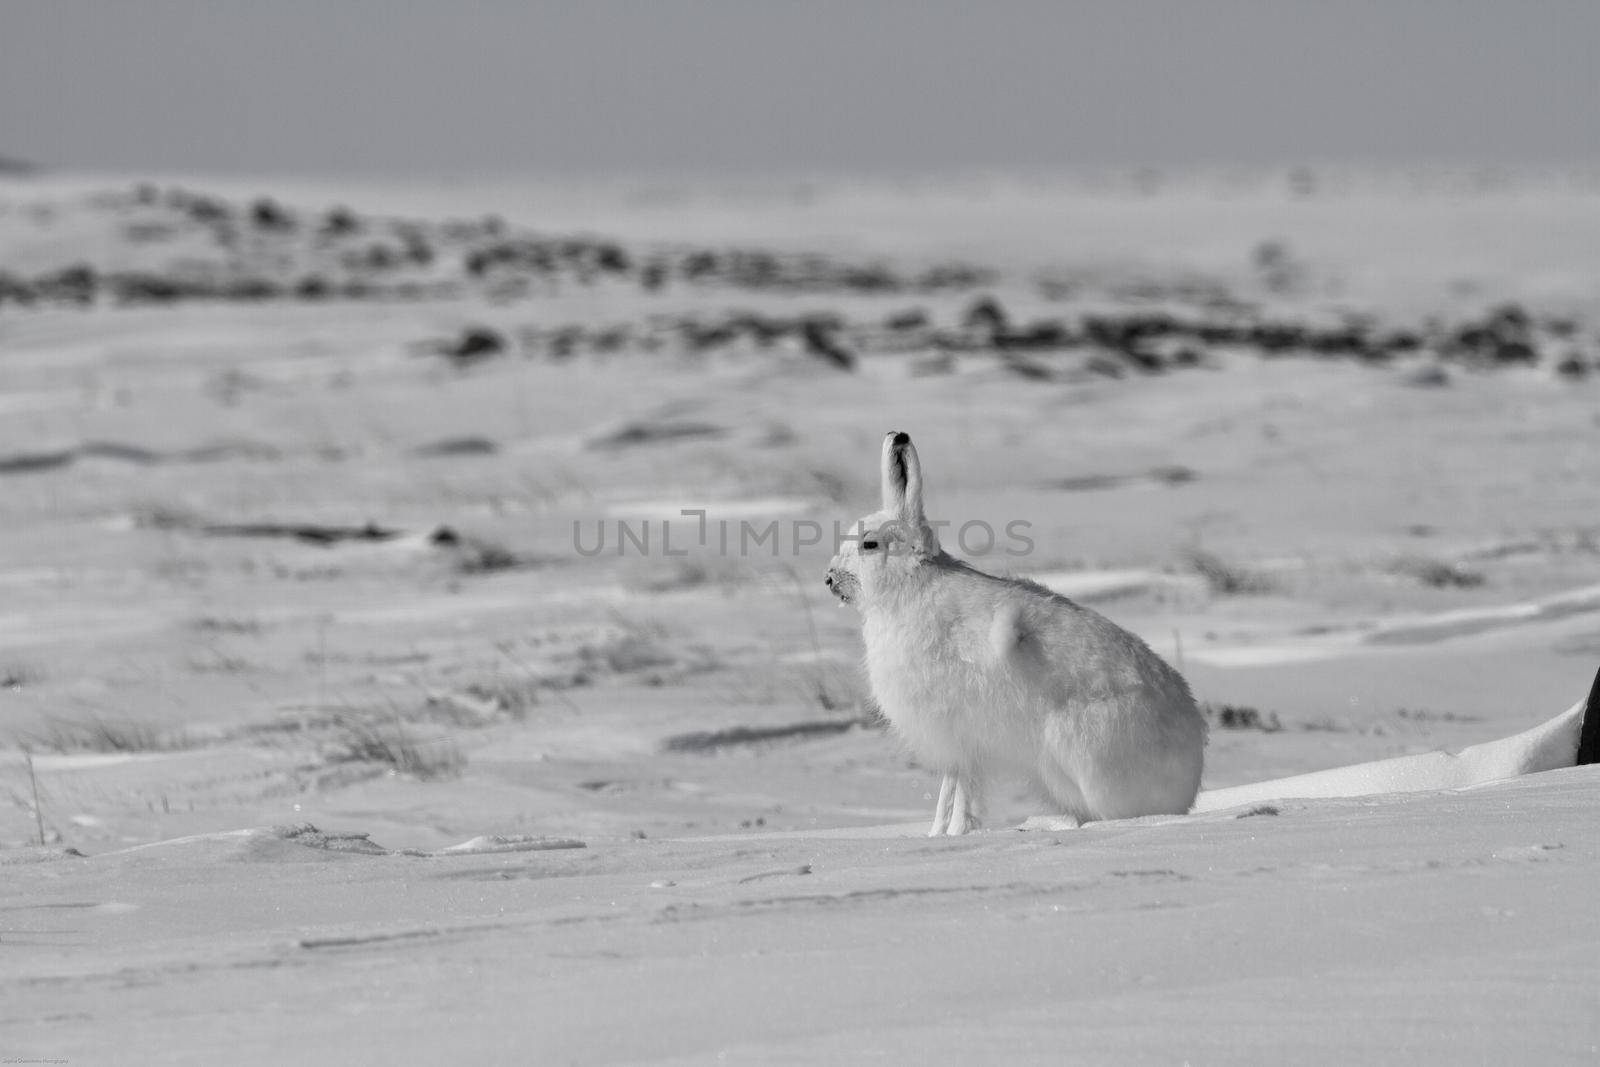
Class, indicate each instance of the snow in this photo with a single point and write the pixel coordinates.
(1548, 746)
(1446, 926)
(398, 801)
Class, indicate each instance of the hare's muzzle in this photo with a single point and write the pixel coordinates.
(840, 583)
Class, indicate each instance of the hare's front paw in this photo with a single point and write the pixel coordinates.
(955, 813)
(941, 807)
(963, 822)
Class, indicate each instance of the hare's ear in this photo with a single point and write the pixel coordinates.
(902, 478)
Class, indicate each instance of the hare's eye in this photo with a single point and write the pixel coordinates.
(869, 543)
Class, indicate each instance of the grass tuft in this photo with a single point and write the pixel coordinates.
(18, 676)
(101, 735)
(390, 744)
(1224, 578)
(1238, 717)
(1437, 573)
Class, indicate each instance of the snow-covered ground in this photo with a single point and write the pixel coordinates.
(690, 838)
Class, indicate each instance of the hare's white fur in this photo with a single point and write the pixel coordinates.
(985, 676)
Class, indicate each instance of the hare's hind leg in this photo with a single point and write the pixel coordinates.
(1058, 783)
(941, 809)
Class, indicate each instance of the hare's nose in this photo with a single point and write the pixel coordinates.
(828, 581)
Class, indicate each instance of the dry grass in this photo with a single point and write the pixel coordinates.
(101, 735)
(238, 627)
(1224, 578)
(480, 704)
(818, 681)
(487, 557)
(1238, 717)
(19, 676)
(477, 555)
(215, 661)
(659, 576)
(629, 654)
(157, 516)
(1437, 573)
(390, 744)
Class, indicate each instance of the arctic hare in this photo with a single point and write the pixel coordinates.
(983, 676)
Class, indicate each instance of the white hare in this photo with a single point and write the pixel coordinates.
(985, 676)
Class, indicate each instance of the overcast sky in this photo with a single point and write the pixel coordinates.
(459, 86)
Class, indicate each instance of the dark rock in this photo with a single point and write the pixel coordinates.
(564, 342)
(762, 329)
(1144, 358)
(1573, 366)
(312, 287)
(140, 287)
(612, 258)
(697, 266)
(1397, 341)
(875, 278)
(986, 314)
(818, 337)
(14, 290)
(377, 258)
(1104, 366)
(205, 209)
(953, 276)
(308, 532)
(611, 340)
(653, 277)
(75, 284)
(1024, 368)
(649, 433)
(475, 344)
(1126, 333)
(457, 446)
(913, 319)
(1516, 352)
(340, 222)
(33, 462)
(1510, 321)
(1428, 377)
(1045, 334)
(414, 247)
(267, 215)
(1343, 341)
(250, 289)
(701, 337)
(1221, 333)
(1276, 337)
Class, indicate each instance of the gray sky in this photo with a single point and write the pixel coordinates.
(401, 86)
